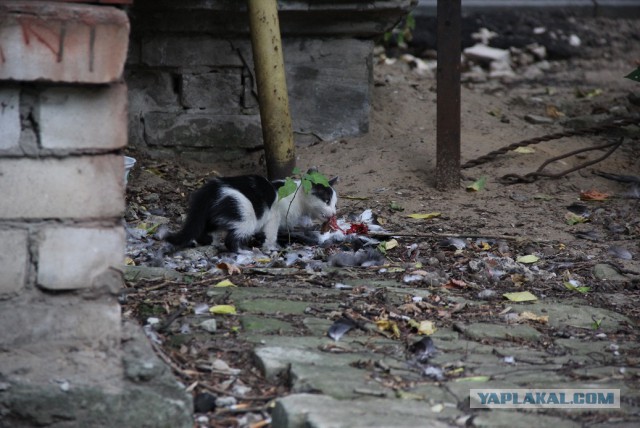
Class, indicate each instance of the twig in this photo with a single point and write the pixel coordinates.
(454, 235)
(221, 391)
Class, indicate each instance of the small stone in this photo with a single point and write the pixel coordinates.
(226, 401)
(204, 403)
(607, 272)
(209, 325)
(486, 294)
(485, 53)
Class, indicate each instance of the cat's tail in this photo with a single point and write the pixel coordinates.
(195, 225)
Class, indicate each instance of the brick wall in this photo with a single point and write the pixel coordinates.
(63, 126)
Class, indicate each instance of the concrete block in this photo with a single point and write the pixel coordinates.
(150, 89)
(61, 319)
(219, 92)
(14, 261)
(164, 50)
(62, 42)
(75, 187)
(203, 130)
(9, 119)
(73, 257)
(83, 118)
(329, 84)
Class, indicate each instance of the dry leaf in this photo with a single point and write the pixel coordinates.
(530, 316)
(522, 296)
(228, 267)
(593, 195)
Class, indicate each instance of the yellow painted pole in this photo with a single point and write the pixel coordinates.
(277, 131)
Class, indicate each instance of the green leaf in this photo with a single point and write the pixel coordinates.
(306, 185)
(579, 289)
(477, 185)
(317, 178)
(527, 259)
(395, 206)
(473, 379)
(634, 75)
(296, 171)
(287, 189)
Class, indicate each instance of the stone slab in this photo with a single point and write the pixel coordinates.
(219, 92)
(61, 319)
(202, 130)
(77, 187)
(83, 117)
(313, 410)
(171, 50)
(14, 261)
(73, 257)
(9, 118)
(62, 42)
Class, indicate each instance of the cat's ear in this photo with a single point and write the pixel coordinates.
(334, 180)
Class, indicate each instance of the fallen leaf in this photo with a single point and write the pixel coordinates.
(129, 261)
(395, 206)
(477, 185)
(228, 267)
(593, 195)
(390, 244)
(518, 279)
(473, 379)
(580, 289)
(524, 150)
(521, 296)
(588, 94)
(530, 258)
(223, 310)
(553, 112)
(455, 283)
(390, 326)
(424, 216)
(530, 316)
(225, 283)
(572, 218)
(426, 328)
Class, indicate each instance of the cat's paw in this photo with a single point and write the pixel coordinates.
(271, 247)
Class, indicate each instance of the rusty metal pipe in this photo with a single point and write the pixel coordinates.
(277, 131)
(448, 95)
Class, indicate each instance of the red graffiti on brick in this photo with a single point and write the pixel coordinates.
(42, 33)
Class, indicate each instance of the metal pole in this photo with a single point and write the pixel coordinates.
(448, 95)
(277, 131)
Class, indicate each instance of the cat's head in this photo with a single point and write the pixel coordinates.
(321, 201)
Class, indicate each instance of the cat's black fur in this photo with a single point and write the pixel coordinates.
(247, 207)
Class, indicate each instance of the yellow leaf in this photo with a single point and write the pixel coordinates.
(473, 379)
(524, 150)
(527, 259)
(426, 328)
(522, 296)
(390, 244)
(129, 261)
(530, 316)
(223, 310)
(225, 283)
(424, 216)
(390, 326)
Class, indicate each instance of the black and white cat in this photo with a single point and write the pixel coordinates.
(247, 206)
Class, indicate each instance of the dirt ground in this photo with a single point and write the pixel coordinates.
(395, 161)
(391, 170)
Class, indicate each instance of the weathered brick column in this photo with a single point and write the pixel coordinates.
(64, 354)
